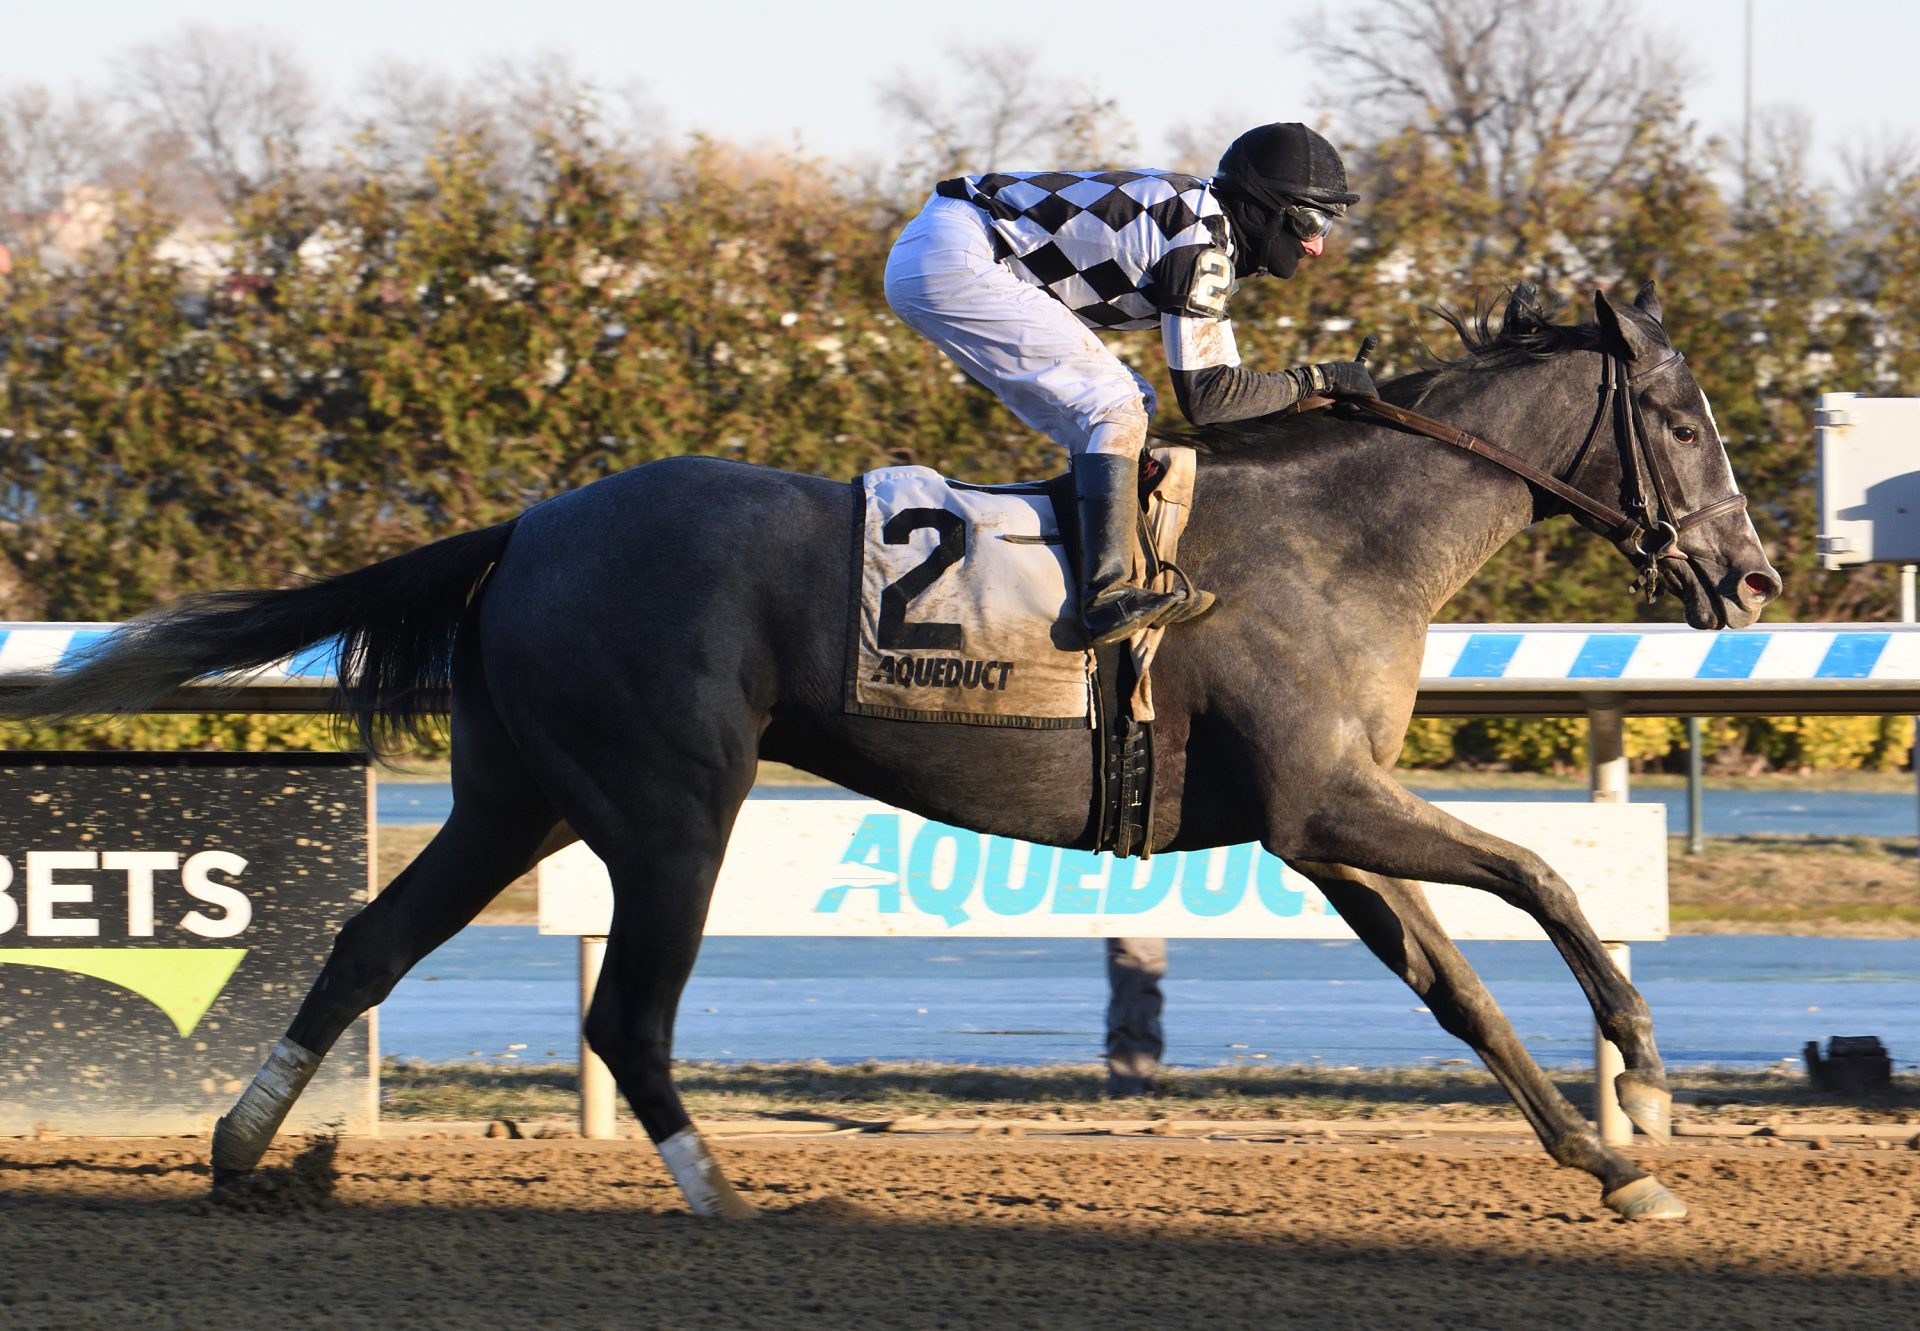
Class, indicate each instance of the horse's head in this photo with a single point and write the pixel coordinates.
(1693, 533)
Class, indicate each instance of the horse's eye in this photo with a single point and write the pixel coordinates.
(1686, 434)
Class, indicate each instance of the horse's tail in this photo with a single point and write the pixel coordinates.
(392, 625)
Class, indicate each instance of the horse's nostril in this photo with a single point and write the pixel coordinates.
(1763, 587)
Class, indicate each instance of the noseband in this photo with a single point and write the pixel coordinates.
(1647, 527)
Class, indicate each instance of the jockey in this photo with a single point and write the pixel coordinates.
(1012, 274)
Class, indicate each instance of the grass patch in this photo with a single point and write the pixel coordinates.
(1828, 885)
(874, 1090)
(1850, 915)
(1436, 778)
(462, 1090)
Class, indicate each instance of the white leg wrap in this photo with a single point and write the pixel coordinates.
(695, 1170)
(243, 1135)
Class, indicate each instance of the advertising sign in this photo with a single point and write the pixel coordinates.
(811, 867)
(161, 917)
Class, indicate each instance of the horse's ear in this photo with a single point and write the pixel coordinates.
(1630, 331)
(1648, 302)
(1523, 310)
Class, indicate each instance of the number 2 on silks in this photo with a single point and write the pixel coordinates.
(1212, 284)
(895, 632)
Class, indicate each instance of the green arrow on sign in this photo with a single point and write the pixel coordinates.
(182, 982)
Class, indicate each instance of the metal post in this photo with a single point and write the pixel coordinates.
(1607, 766)
(1696, 797)
(596, 1078)
(1615, 1128)
(1907, 616)
(1607, 751)
(1746, 119)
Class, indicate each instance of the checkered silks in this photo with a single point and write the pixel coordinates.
(1115, 247)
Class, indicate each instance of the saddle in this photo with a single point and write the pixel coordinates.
(966, 610)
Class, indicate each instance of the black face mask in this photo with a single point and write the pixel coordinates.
(1282, 254)
(1262, 241)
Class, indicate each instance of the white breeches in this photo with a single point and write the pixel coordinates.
(1048, 367)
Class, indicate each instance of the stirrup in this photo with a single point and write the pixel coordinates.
(1122, 611)
(1193, 602)
(1191, 605)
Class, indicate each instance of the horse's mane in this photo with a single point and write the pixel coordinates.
(1526, 332)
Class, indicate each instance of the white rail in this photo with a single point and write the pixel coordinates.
(1468, 670)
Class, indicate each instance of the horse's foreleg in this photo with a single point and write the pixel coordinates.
(461, 870)
(1394, 920)
(1385, 830)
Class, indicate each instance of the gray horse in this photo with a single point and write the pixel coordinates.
(618, 659)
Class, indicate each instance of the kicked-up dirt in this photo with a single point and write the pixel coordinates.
(962, 1231)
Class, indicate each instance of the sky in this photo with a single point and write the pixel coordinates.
(807, 74)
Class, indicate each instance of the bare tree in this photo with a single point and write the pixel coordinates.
(1783, 157)
(48, 146)
(1008, 115)
(405, 109)
(1871, 166)
(239, 104)
(513, 107)
(1527, 97)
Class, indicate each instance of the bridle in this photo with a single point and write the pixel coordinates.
(1646, 527)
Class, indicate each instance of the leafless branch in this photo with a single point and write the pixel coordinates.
(48, 147)
(1526, 96)
(406, 111)
(1008, 116)
(240, 102)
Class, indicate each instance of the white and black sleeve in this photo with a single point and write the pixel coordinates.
(1191, 286)
(1209, 382)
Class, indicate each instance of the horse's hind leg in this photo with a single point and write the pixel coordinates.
(663, 856)
(461, 870)
(499, 826)
(650, 953)
(1392, 917)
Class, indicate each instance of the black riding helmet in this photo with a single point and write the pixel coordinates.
(1280, 184)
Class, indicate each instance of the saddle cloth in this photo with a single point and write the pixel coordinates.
(964, 601)
(964, 606)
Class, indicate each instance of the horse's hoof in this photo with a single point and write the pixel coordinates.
(1649, 1108)
(732, 1206)
(1646, 1199)
(226, 1178)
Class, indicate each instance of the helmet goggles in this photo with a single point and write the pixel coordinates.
(1310, 221)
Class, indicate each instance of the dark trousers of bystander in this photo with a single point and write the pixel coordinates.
(1135, 967)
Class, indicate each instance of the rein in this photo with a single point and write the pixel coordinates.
(1648, 529)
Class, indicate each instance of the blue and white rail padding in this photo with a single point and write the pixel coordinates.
(1670, 653)
(1491, 669)
(1670, 669)
(30, 653)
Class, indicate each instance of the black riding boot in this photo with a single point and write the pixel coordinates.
(1107, 488)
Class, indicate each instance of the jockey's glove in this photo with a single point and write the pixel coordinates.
(1342, 378)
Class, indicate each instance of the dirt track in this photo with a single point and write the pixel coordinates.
(953, 1231)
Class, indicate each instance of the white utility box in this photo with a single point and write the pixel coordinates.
(1869, 452)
